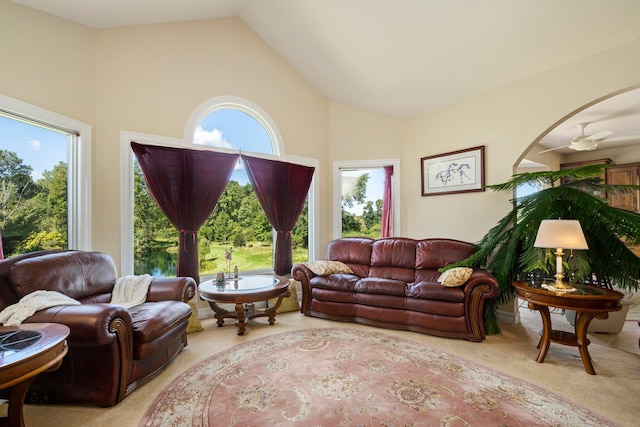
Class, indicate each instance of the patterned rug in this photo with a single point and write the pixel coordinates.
(346, 377)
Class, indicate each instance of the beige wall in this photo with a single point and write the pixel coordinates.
(149, 79)
(47, 62)
(506, 121)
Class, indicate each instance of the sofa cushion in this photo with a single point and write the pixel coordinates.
(434, 291)
(432, 254)
(379, 285)
(354, 252)
(76, 274)
(393, 258)
(338, 282)
(152, 320)
(457, 276)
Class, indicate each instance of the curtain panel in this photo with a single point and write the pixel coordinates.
(281, 189)
(386, 224)
(186, 184)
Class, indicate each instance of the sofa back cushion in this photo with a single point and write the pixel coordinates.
(353, 251)
(393, 258)
(433, 254)
(76, 274)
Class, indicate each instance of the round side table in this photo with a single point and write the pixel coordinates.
(25, 351)
(589, 302)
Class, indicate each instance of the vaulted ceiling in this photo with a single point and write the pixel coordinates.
(400, 58)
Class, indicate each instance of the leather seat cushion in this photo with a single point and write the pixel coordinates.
(378, 285)
(152, 320)
(435, 291)
(338, 282)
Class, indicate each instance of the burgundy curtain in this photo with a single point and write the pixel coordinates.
(281, 189)
(186, 184)
(385, 229)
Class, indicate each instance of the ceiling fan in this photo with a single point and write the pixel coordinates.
(584, 142)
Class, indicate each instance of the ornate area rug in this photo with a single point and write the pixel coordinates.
(346, 377)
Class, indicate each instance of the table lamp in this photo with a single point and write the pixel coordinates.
(560, 234)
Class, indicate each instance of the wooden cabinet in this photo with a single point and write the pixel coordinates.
(567, 179)
(628, 174)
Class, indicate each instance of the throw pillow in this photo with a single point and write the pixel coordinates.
(289, 303)
(194, 324)
(324, 268)
(455, 277)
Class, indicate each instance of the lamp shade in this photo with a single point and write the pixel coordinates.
(560, 233)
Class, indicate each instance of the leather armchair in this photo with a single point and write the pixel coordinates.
(112, 349)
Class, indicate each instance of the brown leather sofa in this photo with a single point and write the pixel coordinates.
(112, 350)
(394, 285)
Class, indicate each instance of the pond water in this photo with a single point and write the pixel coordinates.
(157, 263)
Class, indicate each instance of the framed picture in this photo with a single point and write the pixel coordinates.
(455, 172)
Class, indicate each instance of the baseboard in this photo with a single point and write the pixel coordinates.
(508, 317)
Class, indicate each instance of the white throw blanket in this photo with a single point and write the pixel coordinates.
(131, 290)
(30, 303)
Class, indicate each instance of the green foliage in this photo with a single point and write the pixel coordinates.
(507, 249)
(238, 220)
(33, 215)
(357, 193)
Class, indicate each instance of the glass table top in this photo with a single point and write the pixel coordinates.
(250, 283)
(579, 288)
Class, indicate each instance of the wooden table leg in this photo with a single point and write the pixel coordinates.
(545, 339)
(15, 411)
(240, 320)
(220, 313)
(582, 325)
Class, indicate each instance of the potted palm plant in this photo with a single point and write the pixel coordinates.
(508, 251)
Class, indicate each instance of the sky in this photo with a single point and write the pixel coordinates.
(230, 128)
(39, 148)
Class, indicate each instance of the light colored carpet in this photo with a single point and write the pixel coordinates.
(348, 377)
(612, 393)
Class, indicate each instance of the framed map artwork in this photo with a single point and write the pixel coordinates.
(459, 171)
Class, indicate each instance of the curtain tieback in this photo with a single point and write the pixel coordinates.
(192, 233)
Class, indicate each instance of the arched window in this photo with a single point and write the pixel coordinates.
(223, 124)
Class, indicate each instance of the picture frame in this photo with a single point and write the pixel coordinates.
(459, 171)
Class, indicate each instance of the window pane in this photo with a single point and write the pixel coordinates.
(362, 192)
(33, 192)
(237, 228)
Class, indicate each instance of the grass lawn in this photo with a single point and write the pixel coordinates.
(253, 256)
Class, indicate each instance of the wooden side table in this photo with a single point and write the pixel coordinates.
(26, 351)
(589, 302)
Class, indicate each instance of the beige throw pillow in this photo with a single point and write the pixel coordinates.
(289, 303)
(324, 268)
(455, 277)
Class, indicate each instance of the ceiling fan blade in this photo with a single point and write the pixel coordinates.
(600, 135)
(624, 138)
(552, 149)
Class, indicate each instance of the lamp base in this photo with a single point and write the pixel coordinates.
(561, 285)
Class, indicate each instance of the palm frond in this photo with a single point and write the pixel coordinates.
(507, 250)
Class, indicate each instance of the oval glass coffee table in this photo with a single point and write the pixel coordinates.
(244, 292)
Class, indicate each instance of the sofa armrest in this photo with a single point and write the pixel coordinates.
(303, 274)
(89, 324)
(479, 277)
(172, 288)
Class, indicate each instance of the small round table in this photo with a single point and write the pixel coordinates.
(589, 302)
(243, 292)
(25, 351)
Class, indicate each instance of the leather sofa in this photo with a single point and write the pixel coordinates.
(394, 285)
(112, 349)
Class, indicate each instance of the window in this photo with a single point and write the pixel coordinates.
(238, 222)
(45, 171)
(358, 194)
